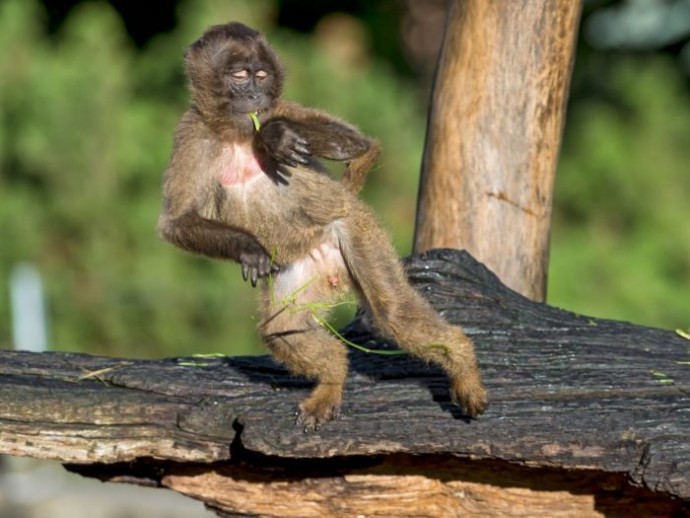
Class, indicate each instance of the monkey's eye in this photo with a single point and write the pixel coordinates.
(240, 74)
(261, 74)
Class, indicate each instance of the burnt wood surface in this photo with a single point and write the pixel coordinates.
(569, 394)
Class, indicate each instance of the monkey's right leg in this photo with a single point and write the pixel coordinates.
(292, 307)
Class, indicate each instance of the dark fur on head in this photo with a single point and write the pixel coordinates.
(212, 57)
(222, 33)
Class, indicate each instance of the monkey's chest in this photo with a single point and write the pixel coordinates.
(287, 219)
(238, 166)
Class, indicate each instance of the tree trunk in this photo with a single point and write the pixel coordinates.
(494, 133)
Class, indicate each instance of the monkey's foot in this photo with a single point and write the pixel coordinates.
(322, 406)
(469, 394)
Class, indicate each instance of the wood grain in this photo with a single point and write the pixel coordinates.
(494, 133)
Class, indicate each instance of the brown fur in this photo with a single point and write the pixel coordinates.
(226, 195)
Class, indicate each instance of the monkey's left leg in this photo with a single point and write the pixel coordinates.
(292, 312)
(401, 313)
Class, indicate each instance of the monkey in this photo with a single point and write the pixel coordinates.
(244, 183)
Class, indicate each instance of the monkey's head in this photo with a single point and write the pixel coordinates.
(232, 72)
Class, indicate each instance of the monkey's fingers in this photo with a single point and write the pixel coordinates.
(296, 158)
(266, 266)
(278, 173)
(302, 149)
(281, 174)
(251, 273)
(288, 161)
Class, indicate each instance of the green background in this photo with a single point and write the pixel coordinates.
(87, 110)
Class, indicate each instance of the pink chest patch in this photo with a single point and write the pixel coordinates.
(239, 165)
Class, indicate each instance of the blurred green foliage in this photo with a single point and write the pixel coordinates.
(621, 233)
(86, 125)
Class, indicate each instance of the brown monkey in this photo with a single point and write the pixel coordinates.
(256, 196)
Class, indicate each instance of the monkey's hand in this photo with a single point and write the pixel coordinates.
(284, 146)
(256, 264)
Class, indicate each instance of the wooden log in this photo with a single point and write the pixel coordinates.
(588, 417)
(494, 133)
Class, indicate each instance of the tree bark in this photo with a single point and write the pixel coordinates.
(587, 417)
(494, 133)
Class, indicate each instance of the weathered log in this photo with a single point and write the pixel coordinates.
(588, 417)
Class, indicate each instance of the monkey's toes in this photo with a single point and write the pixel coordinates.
(471, 398)
(311, 415)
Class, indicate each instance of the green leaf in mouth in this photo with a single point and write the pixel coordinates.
(254, 116)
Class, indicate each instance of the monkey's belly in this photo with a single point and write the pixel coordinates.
(320, 275)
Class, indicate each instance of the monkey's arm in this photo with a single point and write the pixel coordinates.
(213, 239)
(325, 136)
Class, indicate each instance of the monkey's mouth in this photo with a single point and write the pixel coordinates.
(249, 113)
(252, 118)
(245, 107)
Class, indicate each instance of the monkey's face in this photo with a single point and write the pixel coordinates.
(233, 72)
(246, 83)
